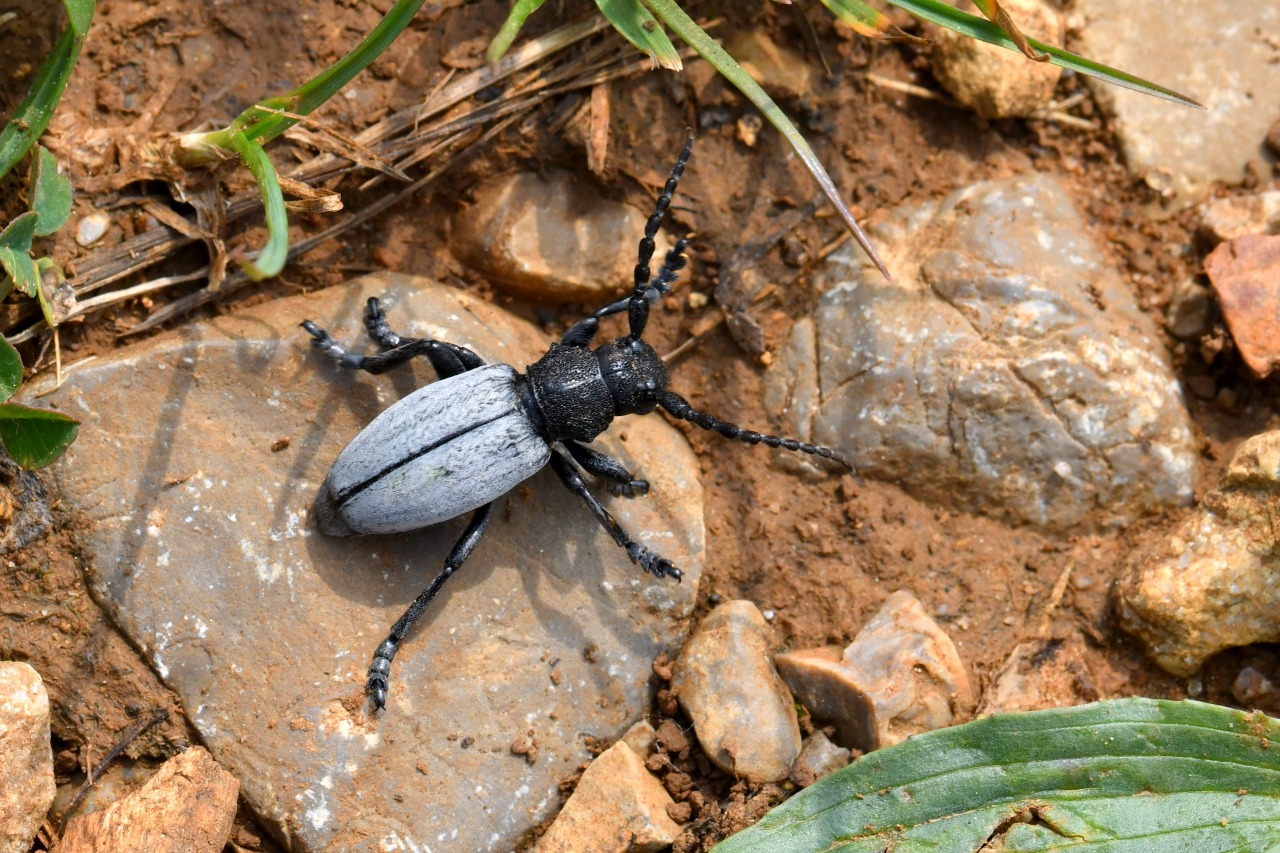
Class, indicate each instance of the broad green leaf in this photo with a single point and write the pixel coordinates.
(17, 235)
(670, 13)
(501, 43)
(943, 15)
(35, 437)
(638, 26)
(10, 370)
(273, 255)
(32, 116)
(1125, 776)
(50, 194)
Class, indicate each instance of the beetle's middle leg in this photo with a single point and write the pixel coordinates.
(380, 669)
(621, 482)
(447, 359)
(651, 562)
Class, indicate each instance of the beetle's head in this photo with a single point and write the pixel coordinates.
(634, 373)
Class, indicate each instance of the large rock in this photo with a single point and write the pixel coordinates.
(1216, 52)
(741, 711)
(1005, 369)
(552, 238)
(1214, 582)
(200, 545)
(26, 759)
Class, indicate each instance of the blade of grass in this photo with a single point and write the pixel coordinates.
(32, 116)
(638, 26)
(670, 13)
(274, 254)
(997, 15)
(501, 43)
(864, 20)
(943, 15)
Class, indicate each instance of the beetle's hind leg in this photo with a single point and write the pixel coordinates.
(651, 562)
(447, 359)
(375, 323)
(621, 481)
(380, 670)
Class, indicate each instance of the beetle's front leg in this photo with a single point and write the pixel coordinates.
(621, 481)
(651, 562)
(380, 669)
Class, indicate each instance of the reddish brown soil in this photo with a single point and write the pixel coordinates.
(822, 556)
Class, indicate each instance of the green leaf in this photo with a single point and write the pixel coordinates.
(51, 193)
(80, 14)
(273, 255)
(864, 20)
(35, 437)
(501, 43)
(33, 114)
(15, 253)
(638, 26)
(10, 370)
(970, 25)
(670, 13)
(1125, 776)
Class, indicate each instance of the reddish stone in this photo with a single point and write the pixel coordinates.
(1245, 273)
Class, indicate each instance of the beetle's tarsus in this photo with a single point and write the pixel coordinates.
(634, 489)
(375, 323)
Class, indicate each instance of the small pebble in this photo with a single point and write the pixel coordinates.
(819, 757)
(26, 758)
(90, 228)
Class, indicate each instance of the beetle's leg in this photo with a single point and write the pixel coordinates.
(375, 323)
(380, 669)
(621, 482)
(680, 408)
(581, 333)
(447, 359)
(656, 565)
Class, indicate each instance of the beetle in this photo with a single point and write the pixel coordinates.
(458, 444)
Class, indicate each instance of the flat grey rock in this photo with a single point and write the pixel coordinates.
(1219, 52)
(202, 548)
(1007, 368)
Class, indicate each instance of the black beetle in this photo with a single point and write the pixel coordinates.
(459, 444)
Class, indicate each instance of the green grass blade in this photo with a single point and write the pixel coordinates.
(670, 13)
(638, 26)
(274, 254)
(263, 125)
(10, 370)
(35, 437)
(50, 194)
(1125, 776)
(501, 43)
(862, 18)
(32, 116)
(943, 15)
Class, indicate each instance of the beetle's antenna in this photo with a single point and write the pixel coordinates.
(680, 408)
(638, 307)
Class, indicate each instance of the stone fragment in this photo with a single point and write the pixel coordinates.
(1241, 215)
(819, 757)
(1213, 583)
(1244, 273)
(1190, 311)
(1046, 673)
(1176, 149)
(91, 228)
(1006, 368)
(1253, 689)
(188, 806)
(26, 758)
(779, 69)
(1273, 138)
(741, 711)
(992, 81)
(552, 238)
(641, 738)
(24, 507)
(900, 676)
(618, 807)
(201, 548)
